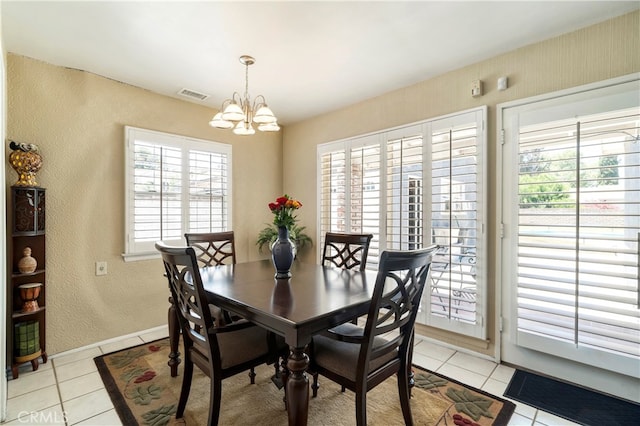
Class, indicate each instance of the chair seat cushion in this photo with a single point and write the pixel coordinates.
(341, 357)
(243, 345)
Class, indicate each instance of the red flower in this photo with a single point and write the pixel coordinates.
(283, 210)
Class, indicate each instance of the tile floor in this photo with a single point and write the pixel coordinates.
(68, 390)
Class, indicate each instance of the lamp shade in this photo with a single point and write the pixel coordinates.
(264, 115)
(218, 122)
(269, 127)
(233, 112)
(244, 129)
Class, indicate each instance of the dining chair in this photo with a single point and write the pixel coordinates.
(212, 249)
(347, 251)
(360, 358)
(219, 350)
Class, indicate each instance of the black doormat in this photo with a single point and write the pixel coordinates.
(574, 403)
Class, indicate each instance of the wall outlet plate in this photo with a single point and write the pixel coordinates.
(476, 88)
(101, 268)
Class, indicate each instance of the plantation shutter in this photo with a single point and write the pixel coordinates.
(174, 185)
(575, 214)
(458, 217)
(157, 193)
(578, 232)
(404, 190)
(208, 199)
(384, 184)
(359, 183)
(365, 166)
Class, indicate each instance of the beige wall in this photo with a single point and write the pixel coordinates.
(77, 119)
(600, 52)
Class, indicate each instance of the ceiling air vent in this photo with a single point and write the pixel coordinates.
(188, 93)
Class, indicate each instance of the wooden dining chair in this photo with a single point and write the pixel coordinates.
(219, 350)
(360, 358)
(212, 249)
(347, 251)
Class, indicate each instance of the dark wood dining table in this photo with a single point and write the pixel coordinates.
(314, 299)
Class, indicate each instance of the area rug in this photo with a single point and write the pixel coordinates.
(144, 393)
(571, 402)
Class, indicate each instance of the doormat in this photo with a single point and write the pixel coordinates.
(571, 402)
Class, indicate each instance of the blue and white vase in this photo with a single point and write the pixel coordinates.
(283, 251)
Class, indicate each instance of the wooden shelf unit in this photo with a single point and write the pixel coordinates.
(27, 212)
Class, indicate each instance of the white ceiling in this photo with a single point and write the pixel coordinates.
(311, 57)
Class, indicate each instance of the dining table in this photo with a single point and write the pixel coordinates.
(314, 299)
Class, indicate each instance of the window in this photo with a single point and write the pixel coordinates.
(174, 185)
(407, 186)
(572, 221)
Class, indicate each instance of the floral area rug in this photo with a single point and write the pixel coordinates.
(144, 393)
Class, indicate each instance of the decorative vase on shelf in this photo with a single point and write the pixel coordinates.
(27, 264)
(26, 161)
(283, 251)
(29, 294)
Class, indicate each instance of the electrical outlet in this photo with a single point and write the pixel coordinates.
(101, 268)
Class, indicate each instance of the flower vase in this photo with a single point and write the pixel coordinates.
(283, 251)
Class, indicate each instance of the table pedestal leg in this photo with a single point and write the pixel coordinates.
(297, 388)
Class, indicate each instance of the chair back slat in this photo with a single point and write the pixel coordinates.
(346, 251)
(213, 248)
(394, 305)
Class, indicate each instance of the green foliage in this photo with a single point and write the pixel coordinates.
(608, 170)
(539, 191)
(269, 234)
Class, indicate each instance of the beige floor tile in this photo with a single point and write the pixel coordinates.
(433, 350)
(473, 363)
(26, 383)
(121, 344)
(519, 420)
(494, 387)
(426, 362)
(108, 418)
(524, 409)
(75, 369)
(463, 375)
(155, 335)
(70, 357)
(79, 386)
(87, 406)
(32, 402)
(49, 416)
(503, 373)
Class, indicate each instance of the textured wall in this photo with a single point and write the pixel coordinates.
(77, 119)
(600, 52)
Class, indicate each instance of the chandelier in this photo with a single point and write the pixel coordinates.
(239, 112)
